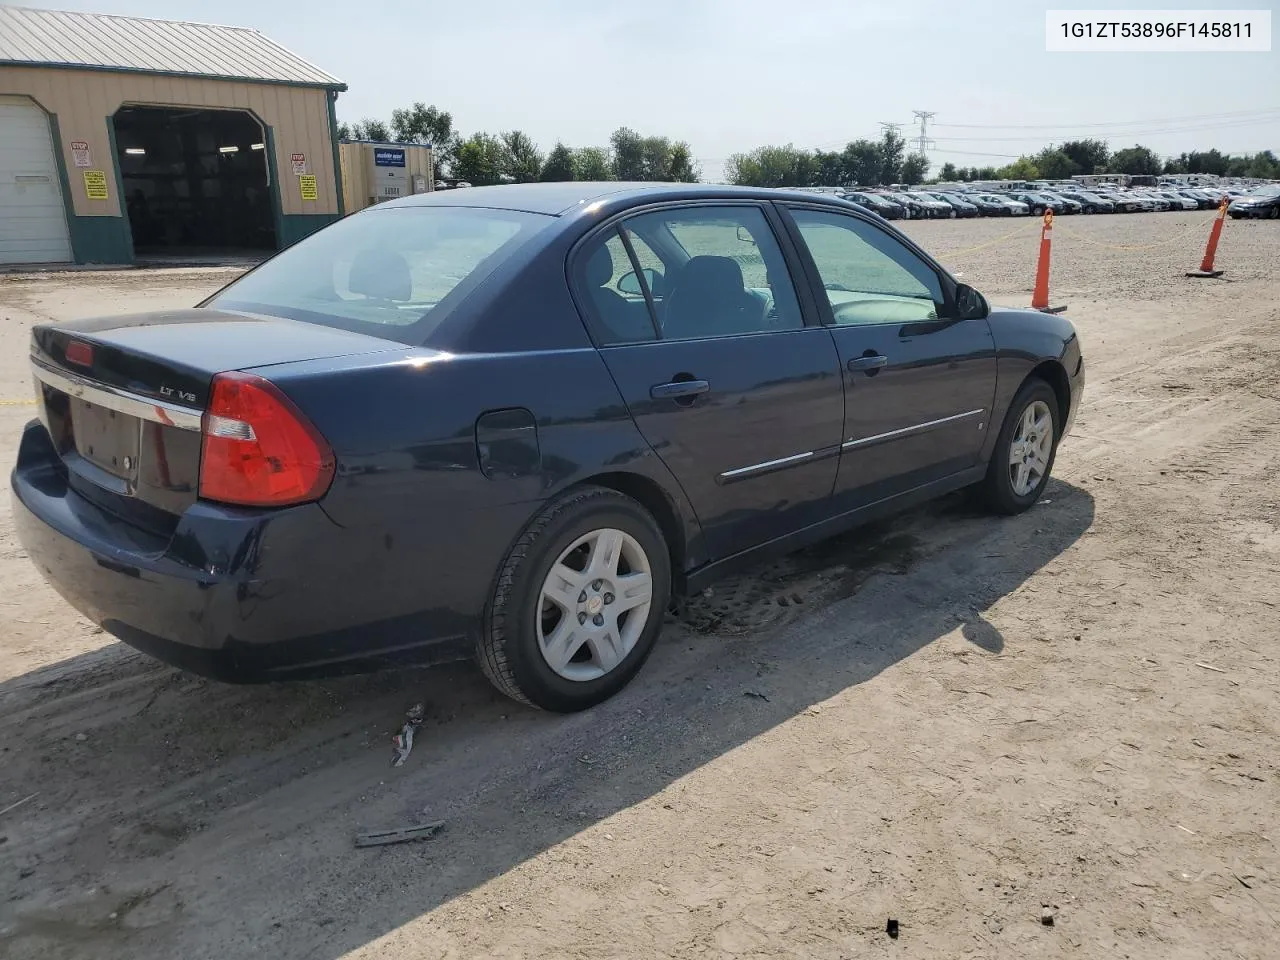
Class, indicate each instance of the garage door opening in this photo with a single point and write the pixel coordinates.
(196, 182)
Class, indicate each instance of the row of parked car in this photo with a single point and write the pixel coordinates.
(951, 203)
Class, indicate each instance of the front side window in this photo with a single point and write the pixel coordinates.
(390, 273)
(869, 276)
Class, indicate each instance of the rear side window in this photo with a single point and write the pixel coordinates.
(391, 273)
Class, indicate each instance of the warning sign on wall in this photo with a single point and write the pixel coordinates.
(299, 164)
(95, 185)
(80, 153)
(307, 184)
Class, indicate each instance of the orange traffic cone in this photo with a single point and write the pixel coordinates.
(1206, 271)
(1040, 295)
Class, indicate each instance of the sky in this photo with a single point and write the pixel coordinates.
(730, 75)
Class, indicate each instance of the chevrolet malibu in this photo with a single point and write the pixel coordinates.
(513, 422)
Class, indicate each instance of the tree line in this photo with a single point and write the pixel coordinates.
(885, 161)
(483, 159)
(863, 162)
(1062, 161)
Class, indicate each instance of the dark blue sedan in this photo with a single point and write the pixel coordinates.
(512, 422)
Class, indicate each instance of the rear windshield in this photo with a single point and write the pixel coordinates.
(391, 272)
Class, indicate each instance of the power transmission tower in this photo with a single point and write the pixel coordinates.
(886, 127)
(923, 143)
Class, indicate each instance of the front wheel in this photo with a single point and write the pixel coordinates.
(578, 603)
(1024, 451)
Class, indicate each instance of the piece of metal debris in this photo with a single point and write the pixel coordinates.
(15, 806)
(403, 741)
(379, 838)
(891, 928)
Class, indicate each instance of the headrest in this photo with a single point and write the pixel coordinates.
(381, 274)
(600, 267)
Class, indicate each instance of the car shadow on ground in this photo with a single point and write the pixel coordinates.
(181, 817)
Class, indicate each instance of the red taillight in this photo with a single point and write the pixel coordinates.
(79, 352)
(259, 450)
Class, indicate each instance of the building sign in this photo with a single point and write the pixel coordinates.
(388, 157)
(307, 184)
(95, 185)
(80, 152)
(299, 164)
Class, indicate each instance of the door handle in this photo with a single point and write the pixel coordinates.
(679, 388)
(870, 363)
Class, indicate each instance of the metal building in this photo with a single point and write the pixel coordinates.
(122, 138)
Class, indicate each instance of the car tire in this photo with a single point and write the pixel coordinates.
(1006, 489)
(515, 648)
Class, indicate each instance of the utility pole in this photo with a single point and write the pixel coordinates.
(923, 143)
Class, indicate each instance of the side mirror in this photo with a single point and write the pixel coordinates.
(630, 283)
(744, 235)
(970, 304)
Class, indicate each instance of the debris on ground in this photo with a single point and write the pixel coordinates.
(891, 928)
(755, 694)
(15, 806)
(380, 838)
(403, 741)
(1047, 915)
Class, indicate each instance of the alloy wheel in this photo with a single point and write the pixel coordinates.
(594, 604)
(1031, 447)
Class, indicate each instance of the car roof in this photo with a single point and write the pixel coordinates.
(557, 199)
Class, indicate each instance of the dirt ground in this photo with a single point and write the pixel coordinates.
(948, 720)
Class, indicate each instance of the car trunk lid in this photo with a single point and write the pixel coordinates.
(123, 397)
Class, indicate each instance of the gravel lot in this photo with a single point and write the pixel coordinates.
(962, 724)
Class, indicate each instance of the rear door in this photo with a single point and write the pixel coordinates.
(729, 386)
(918, 383)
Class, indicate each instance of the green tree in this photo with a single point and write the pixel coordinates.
(915, 168)
(637, 157)
(1090, 156)
(344, 131)
(681, 167)
(1136, 159)
(368, 129)
(828, 169)
(592, 163)
(559, 165)
(1264, 165)
(420, 123)
(861, 161)
(1054, 164)
(628, 154)
(480, 160)
(949, 173)
(892, 149)
(521, 158)
(772, 166)
(1021, 169)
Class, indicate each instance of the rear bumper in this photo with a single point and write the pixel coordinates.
(235, 595)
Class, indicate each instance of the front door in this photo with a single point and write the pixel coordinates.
(918, 383)
(741, 400)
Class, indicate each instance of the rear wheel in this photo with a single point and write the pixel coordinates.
(578, 602)
(1025, 450)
